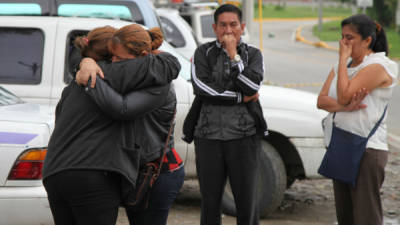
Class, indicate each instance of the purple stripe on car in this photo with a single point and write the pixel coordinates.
(15, 138)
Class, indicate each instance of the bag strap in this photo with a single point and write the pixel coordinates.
(374, 128)
(171, 128)
(377, 123)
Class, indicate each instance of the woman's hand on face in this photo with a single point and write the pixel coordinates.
(345, 49)
(88, 69)
(356, 100)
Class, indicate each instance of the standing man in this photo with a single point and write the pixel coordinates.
(227, 71)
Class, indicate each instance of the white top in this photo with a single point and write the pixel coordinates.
(362, 121)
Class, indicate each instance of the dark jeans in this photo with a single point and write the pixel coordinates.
(84, 197)
(237, 159)
(163, 194)
(362, 205)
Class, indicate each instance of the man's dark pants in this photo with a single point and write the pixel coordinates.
(236, 159)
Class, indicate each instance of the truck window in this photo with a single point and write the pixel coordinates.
(95, 10)
(21, 55)
(25, 7)
(125, 10)
(172, 33)
(72, 55)
(20, 9)
(206, 26)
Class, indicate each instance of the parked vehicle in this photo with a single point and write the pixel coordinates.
(25, 129)
(201, 17)
(35, 66)
(177, 31)
(138, 11)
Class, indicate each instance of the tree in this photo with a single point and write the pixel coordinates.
(384, 11)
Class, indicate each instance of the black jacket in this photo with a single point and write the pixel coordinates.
(86, 138)
(219, 82)
(150, 116)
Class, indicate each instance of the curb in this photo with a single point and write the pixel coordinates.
(318, 44)
(293, 19)
(394, 141)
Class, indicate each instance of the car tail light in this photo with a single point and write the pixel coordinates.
(29, 165)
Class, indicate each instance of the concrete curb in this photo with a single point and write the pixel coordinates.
(318, 44)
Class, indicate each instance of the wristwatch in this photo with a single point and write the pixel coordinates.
(237, 58)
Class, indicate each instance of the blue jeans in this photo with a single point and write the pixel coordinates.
(162, 196)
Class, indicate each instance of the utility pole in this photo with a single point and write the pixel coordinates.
(320, 15)
(398, 16)
(248, 13)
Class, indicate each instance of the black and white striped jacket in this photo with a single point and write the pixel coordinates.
(215, 76)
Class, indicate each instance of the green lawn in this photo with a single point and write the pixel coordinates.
(331, 32)
(272, 11)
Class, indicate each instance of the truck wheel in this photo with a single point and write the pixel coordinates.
(271, 184)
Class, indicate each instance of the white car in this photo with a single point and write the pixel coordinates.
(36, 68)
(178, 32)
(25, 129)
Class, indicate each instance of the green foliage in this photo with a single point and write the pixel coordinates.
(331, 31)
(394, 43)
(384, 11)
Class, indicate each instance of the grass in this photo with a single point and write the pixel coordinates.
(331, 32)
(273, 11)
(394, 43)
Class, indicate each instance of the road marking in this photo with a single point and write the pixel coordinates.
(294, 19)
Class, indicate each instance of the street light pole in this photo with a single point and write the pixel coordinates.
(248, 13)
(319, 15)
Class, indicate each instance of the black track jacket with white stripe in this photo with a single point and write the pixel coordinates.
(216, 77)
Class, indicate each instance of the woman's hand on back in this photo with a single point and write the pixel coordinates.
(88, 69)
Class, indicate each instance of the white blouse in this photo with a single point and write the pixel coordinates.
(362, 121)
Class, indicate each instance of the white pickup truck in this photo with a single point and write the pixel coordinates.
(34, 62)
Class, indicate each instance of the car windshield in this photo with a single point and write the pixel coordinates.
(8, 98)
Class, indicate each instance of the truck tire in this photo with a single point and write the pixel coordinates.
(271, 185)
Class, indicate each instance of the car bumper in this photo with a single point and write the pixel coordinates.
(24, 205)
